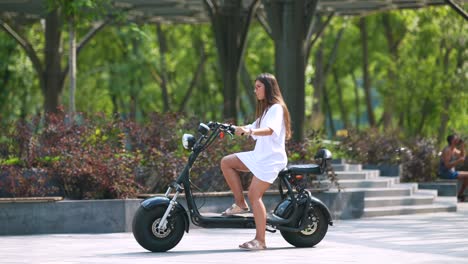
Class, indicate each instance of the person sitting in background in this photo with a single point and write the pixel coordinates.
(453, 155)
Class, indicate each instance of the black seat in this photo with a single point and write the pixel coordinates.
(304, 169)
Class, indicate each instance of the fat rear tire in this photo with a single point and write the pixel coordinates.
(312, 234)
(152, 239)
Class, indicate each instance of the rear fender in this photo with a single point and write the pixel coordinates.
(315, 202)
(155, 202)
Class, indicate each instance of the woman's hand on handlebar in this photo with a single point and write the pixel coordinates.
(242, 131)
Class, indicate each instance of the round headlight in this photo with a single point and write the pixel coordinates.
(188, 141)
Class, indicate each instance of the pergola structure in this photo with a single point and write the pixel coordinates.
(193, 11)
(292, 24)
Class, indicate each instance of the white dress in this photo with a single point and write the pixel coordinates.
(269, 156)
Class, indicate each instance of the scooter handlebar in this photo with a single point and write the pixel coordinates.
(225, 127)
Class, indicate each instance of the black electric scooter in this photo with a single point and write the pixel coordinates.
(302, 219)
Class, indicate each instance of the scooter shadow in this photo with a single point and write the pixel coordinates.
(176, 253)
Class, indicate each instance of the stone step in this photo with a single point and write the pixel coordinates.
(409, 209)
(381, 192)
(338, 161)
(368, 183)
(397, 201)
(347, 167)
(355, 175)
(432, 193)
(386, 196)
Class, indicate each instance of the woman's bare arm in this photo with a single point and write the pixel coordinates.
(243, 131)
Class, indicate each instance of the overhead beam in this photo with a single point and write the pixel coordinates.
(193, 11)
(457, 8)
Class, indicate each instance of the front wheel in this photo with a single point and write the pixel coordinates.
(146, 232)
(312, 234)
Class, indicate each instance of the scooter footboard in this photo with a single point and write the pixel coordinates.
(160, 201)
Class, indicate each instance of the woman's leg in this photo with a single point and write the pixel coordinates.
(256, 190)
(230, 165)
(463, 177)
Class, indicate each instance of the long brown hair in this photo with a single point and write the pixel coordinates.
(272, 96)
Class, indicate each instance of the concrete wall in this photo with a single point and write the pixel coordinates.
(83, 216)
(109, 216)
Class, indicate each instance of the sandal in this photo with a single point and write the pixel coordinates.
(234, 209)
(461, 198)
(253, 245)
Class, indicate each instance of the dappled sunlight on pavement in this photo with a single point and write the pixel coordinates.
(423, 238)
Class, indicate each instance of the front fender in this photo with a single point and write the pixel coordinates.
(314, 201)
(160, 201)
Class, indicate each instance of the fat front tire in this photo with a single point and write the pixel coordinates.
(317, 227)
(146, 232)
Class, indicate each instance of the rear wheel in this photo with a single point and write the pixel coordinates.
(146, 231)
(312, 234)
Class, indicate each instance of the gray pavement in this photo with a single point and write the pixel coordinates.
(422, 238)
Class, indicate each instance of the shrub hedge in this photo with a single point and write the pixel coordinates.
(419, 157)
(96, 157)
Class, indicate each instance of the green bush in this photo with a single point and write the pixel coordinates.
(420, 160)
(371, 146)
(17, 181)
(72, 160)
(10, 161)
(418, 156)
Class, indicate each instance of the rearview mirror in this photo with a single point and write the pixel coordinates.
(203, 129)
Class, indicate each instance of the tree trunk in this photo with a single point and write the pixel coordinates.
(136, 83)
(51, 78)
(6, 77)
(356, 99)
(339, 89)
(317, 31)
(53, 82)
(392, 45)
(365, 70)
(248, 86)
(321, 76)
(133, 105)
(162, 53)
(290, 22)
(387, 100)
(230, 27)
(424, 114)
(329, 111)
(444, 114)
(72, 63)
(317, 114)
(115, 106)
(29, 50)
(195, 78)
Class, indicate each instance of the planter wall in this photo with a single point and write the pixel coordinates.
(342, 205)
(443, 187)
(74, 216)
(110, 216)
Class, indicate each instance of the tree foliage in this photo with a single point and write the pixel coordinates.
(417, 67)
(419, 77)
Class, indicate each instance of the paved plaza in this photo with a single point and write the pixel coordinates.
(422, 238)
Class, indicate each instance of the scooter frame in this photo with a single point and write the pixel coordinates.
(303, 199)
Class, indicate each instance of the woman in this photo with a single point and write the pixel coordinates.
(451, 157)
(270, 130)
